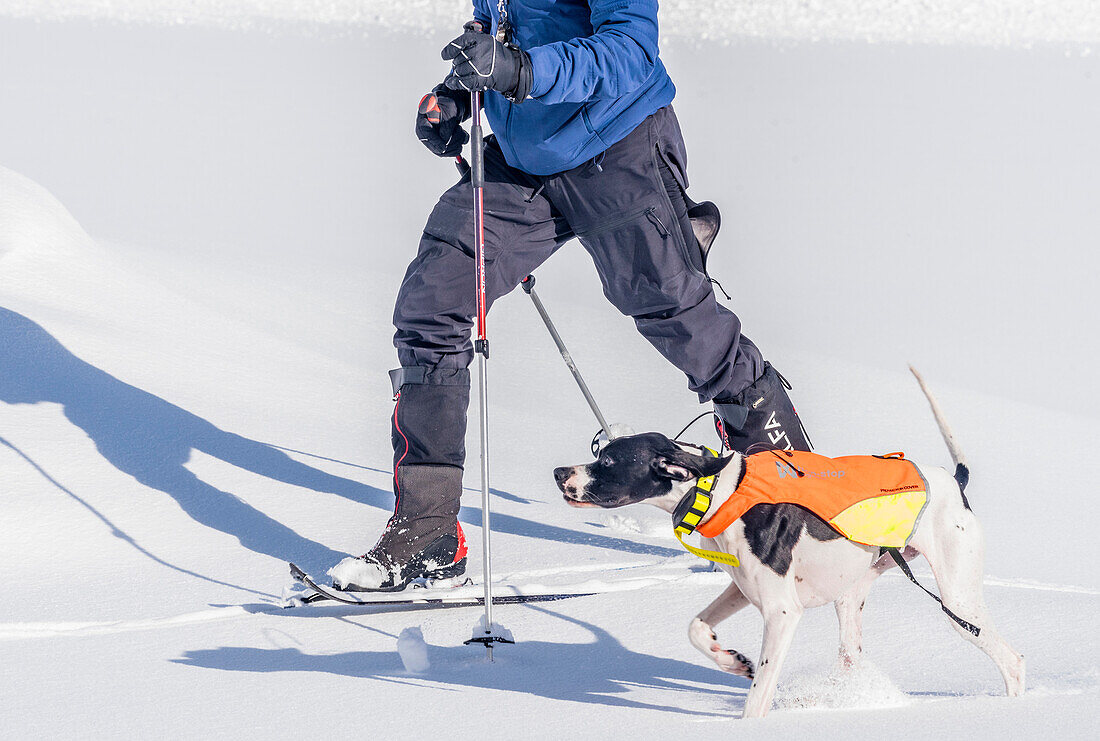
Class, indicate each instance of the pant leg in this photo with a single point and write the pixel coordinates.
(641, 242)
(436, 303)
(433, 317)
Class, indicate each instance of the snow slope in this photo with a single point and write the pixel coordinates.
(201, 233)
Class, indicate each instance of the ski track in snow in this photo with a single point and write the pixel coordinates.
(17, 631)
(25, 630)
(1009, 584)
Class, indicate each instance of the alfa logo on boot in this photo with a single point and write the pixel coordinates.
(778, 434)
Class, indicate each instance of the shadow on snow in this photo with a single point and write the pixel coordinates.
(611, 671)
(151, 440)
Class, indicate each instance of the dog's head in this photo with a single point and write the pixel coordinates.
(633, 469)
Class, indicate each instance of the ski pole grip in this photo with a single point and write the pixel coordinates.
(528, 284)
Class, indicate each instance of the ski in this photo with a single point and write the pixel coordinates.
(459, 596)
(471, 594)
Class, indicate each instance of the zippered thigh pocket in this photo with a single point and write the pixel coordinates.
(640, 261)
(673, 182)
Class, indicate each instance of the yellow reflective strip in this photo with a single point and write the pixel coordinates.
(691, 518)
(706, 484)
(708, 555)
(702, 503)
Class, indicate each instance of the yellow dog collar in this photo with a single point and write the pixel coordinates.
(690, 512)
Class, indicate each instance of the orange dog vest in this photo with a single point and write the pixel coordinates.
(869, 499)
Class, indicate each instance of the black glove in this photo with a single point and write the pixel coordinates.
(438, 120)
(483, 63)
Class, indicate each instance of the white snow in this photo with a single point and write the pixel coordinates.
(982, 22)
(413, 650)
(355, 570)
(34, 222)
(862, 686)
(484, 628)
(202, 231)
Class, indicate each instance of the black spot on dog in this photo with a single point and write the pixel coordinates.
(772, 530)
(962, 478)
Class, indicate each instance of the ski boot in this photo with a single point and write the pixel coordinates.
(376, 571)
(761, 417)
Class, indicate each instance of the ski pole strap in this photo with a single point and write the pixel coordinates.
(968, 627)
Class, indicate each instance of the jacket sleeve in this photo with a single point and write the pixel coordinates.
(481, 13)
(614, 61)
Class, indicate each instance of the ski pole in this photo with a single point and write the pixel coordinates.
(481, 348)
(528, 285)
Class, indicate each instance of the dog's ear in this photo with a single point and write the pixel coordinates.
(711, 465)
(667, 468)
(680, 465)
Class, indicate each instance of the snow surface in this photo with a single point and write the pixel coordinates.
(1074, 24)
(201, 234)
(413, 650)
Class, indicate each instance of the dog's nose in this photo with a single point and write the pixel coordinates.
(561, 474)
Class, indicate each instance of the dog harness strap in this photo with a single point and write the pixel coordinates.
(968, 627)
(690, 512)
(708, 555)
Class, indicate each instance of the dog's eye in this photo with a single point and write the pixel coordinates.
(605, 462)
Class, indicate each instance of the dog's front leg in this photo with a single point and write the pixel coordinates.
(702, 635)
(780, 623)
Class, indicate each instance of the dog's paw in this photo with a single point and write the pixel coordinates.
(704, 638)
(737, 663)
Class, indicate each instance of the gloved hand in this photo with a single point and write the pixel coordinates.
(438, 120)
(482, 63)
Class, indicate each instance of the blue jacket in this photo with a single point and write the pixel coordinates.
(596, 76)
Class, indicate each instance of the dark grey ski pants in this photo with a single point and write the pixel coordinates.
(627, 208)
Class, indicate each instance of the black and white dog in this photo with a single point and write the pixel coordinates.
(790, 559)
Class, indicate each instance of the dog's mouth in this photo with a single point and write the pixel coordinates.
(577, 502)
(572, 496)
(572, 489)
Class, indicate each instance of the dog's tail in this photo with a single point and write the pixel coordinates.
(962, 471)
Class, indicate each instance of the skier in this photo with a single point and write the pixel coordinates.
(586, 146)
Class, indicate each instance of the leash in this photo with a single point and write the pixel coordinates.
(968, 627)
(688, 427)
(690, 512)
